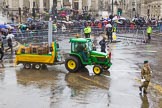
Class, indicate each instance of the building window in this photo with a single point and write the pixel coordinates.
(76, 5)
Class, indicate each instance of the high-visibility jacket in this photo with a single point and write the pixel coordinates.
(86, 30)
(114, 29)
(89, 29)
(1, 44)
(149, 29)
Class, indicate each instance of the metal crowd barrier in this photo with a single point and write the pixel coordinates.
(42, 35)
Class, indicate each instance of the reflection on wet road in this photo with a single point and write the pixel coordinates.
(54, 87)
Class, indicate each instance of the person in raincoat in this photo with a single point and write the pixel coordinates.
(89, 29)
(109, 31)
(103, 44)
(149, 31)
(86, 31)
(145, 77)
(9, 38)
(113, 33)
(1, 47)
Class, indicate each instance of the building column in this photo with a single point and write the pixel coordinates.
(10, 3)
(160, 11)
(71, 1)
(80, 5)
(41, 6)
(59, 4)
(89, 4)
(31, 5)
(51, 5)
(21, 4)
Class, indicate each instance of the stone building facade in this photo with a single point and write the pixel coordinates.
(151, 8)
(81, 5)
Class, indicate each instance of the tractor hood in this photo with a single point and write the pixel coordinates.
(97, 53)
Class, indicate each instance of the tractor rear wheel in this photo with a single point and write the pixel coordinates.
(72, 64)
(97, 69)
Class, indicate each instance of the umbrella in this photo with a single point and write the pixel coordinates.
(29, 19)
(115, 18)
(108, 19)
(4, 30)
(105, 21)
(65, 8)
(108, 25)
(2, 26)
(10, 36)
(8, 26)
(62, 15)
(122, 18)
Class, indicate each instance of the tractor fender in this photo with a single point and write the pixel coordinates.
(78, 57)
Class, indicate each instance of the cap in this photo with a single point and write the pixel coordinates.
(146, 61)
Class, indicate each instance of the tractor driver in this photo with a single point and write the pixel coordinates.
(81, 48)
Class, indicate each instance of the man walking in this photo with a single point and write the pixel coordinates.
(86, 31)
(103, 44)
(149, 31)
(9, 41)
(146, 76)
(109, 31)
(1, 49)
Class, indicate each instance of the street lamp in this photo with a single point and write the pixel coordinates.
(112, 7)
(54, 9)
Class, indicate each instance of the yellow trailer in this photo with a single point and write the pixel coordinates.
(30, 57)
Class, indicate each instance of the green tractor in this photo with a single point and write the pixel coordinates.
(82, 54)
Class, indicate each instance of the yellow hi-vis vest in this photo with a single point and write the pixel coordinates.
(89, 29)
(114, 29)
(86, 30)
(149, 29)
(0, 44)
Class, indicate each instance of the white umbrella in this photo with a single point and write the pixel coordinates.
(10, 36)
(115, 18)
(108, 25)
(122, 18)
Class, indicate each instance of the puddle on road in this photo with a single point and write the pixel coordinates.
(55, 88)
(52, 87)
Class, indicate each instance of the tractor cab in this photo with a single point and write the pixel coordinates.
(82, 54)
(81, 47)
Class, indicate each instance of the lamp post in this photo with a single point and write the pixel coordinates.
(54, 9)
(112, 7)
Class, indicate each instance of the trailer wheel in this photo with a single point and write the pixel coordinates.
(37, 66)
(97, 69)
(27, 65)
(72, 64)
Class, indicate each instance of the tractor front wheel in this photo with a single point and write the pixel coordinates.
(97, 69)
(72, 64)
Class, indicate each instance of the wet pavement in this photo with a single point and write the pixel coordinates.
(54, 87)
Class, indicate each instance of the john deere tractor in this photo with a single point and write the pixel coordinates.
(82, 54)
